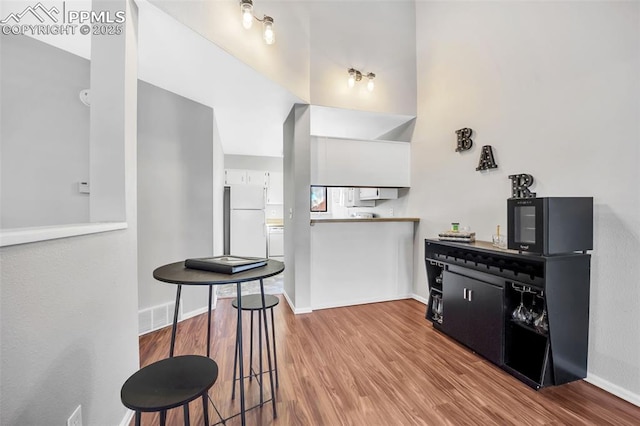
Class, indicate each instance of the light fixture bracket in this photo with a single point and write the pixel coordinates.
(246, 7)
(357, 75)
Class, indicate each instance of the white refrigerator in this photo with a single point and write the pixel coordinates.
(248, 233)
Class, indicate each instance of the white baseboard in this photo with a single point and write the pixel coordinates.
(603, 384)
(126, 420)
(614, 389)
(293, 308)
(361, 302)
(420, 299)
(194, 313)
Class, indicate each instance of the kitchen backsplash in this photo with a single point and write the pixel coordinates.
(275, 211)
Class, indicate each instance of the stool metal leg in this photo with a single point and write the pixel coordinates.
(163, 418)
(186, 415)
(235, 368)
(175, 321)
(209, 321)
(266, 331)
(138, 418)
(275, 355)
(251, 350)
(205, 408)
(260, 350)
(241, 354)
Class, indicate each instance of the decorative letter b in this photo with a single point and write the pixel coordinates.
(464, 139)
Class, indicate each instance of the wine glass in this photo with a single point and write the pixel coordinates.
(439, 310)
(521, 313)
(436, 307)
(541, 323)
(534, 312)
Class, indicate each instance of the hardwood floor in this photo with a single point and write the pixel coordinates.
(377, 364)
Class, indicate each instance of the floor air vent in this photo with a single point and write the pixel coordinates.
(154, 318)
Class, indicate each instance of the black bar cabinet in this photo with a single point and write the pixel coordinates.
(474, 289)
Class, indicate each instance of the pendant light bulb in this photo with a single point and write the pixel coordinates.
(370, 84)
(267, 25)
(246, 7)
(352, 79)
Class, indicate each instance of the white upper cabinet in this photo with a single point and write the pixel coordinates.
(241, 176)
(378, 193)
(275, 188)
(257, 177)
(235, 177)
(352, 162)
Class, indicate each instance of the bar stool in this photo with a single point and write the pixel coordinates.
(253, 303)
(170, 383)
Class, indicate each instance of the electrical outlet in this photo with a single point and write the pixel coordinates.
(390, 212)
(76, 418)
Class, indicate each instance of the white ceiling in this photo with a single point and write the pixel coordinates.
(249, 108)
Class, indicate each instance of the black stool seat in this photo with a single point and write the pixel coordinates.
(253, 302)
(169, 383)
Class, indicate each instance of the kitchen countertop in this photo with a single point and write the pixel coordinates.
(375, 219)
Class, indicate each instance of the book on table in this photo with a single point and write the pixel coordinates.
(225, 264)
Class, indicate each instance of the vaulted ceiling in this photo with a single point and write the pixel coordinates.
(199, 49)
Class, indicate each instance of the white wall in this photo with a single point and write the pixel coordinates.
(253, 162)
(297, 235)
(68, 306)
(554, 88)
(44, 135)
(289, 164)
(175, 191)
(218, 192)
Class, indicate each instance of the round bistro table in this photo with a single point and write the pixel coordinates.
(177, 273)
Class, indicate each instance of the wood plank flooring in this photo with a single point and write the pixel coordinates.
(377, 364)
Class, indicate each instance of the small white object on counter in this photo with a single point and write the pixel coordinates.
(362, 215)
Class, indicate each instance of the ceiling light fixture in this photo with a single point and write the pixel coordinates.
(370, 84)
(267, 30)
(355, 75)
(246, 8)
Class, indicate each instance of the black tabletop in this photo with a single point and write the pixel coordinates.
(176, 273)
(169, 383)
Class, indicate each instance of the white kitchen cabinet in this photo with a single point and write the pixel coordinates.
(275, 188)
(235, 177)
(352, 198)
(241, 177)
(257, 177)
(352, 162)
(378, 193)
